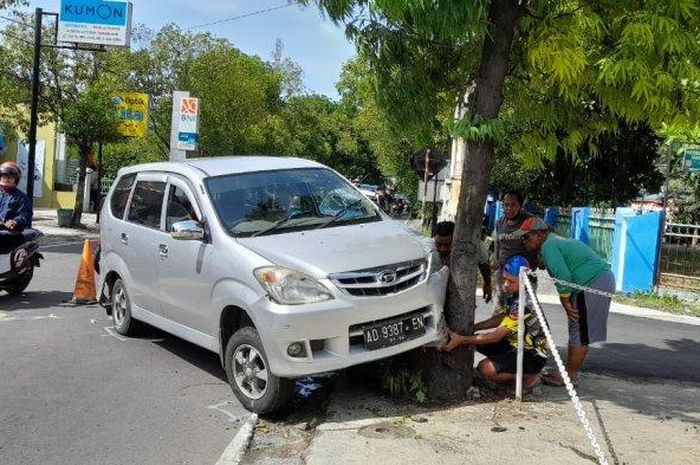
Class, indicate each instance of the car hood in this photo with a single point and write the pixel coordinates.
(321, 252)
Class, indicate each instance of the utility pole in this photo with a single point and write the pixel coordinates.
(34, 115)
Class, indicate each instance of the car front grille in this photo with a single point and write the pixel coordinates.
(383, 280)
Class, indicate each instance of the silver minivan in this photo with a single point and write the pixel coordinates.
(279, 265)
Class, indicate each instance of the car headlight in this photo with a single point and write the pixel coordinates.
(291, 287)
(436, 263)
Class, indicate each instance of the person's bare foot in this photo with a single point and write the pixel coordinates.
(531, 382)
(555, 380)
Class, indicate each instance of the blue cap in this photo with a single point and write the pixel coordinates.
(514, 264)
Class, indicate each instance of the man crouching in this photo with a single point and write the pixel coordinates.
(501, 346)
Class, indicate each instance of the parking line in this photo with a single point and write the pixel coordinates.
(235, 450)
(110, 332)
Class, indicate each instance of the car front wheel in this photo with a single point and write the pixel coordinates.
(249, 374)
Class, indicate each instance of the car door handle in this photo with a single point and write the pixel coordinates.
(125, 238)
(163, 250)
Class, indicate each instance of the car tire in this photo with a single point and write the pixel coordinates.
(123, 322)
(249, 375)
(21, 283)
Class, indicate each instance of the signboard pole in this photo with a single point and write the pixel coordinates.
(34, 116)
(175, 154)
(426, 171)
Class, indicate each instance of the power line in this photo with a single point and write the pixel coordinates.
(17, 21)
(15, 37)
(246, 15)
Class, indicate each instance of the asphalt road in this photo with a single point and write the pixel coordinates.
(636, 347)
(73, 392)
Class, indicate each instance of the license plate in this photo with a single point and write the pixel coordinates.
(394, 332)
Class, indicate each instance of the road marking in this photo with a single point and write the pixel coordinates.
(94, 321)
(231, 417)
(235, 450)
(111, 332)
(5, 318)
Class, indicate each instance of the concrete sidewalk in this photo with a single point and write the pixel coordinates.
(46, 221)
(638, 422)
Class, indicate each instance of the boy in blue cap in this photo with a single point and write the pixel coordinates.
(500, 346)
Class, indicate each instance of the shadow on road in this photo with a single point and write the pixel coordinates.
(194, 355)
(680, 361)
(33, 299)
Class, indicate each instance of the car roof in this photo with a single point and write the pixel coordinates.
(200, 168)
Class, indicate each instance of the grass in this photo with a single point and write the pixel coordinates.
(666, 303)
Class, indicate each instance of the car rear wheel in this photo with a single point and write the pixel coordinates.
(249, 374)
(124, 324)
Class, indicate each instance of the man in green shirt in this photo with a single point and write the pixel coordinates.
(574, 262)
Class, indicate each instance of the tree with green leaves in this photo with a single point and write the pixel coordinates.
(89, 120)
(567, 71)
(626, 165)
(73, 96)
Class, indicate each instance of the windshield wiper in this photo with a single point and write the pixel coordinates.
(280, 223)
(340, 213)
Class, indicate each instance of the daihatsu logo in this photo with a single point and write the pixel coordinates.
(387, 277)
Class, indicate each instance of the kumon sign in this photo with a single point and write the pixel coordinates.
(95, 22)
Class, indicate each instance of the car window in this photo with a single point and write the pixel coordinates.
(248, 203)
(180, 208)
(147, 203)
(121, 195)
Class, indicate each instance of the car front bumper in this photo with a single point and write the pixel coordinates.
(329, 331)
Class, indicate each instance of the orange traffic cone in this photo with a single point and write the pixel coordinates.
(85, 292)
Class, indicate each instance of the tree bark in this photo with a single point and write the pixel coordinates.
(451, 379)
(83, 153)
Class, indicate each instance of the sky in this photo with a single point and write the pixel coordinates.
(309, 39)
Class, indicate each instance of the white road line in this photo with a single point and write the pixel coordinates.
(111, 332)
(235, 450)
(232, 418)
(53, 316)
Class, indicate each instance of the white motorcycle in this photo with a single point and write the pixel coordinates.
(17, 265)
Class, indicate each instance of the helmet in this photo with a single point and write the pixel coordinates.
(514, 264)
(10, 168)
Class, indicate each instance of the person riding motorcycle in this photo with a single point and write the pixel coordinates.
(15, 210)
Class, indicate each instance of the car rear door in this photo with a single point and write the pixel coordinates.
(140, 236)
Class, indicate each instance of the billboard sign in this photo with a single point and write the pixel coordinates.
(23, 162)
(691, 160)
(132, 109)
(188, 124)
(95, 22)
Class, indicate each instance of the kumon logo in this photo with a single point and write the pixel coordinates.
(188, 106)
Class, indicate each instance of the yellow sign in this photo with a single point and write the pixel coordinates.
(132, 108)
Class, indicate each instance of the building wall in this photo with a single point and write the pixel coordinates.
(50, 198)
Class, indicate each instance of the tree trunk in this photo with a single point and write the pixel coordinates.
(451, 379)
(83, 153)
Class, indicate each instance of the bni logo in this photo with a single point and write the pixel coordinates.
(188, 106)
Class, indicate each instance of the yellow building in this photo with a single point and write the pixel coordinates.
(54, 168)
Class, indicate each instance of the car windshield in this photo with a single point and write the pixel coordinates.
(273, 202)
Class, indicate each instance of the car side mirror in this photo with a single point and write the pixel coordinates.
(188, 230)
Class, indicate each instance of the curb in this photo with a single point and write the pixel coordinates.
(237, 447)
(630, 310)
